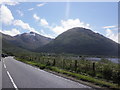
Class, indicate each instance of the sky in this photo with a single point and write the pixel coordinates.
(50, 19)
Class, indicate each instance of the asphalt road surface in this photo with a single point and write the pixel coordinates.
(16, 74)
(0, 74)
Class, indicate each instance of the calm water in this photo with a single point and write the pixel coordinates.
(114, 60)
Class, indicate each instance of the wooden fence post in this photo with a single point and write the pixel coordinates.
(94, 69)
(54, 62)
(63, 63)
(75, 65)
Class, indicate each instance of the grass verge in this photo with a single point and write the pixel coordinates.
(77, 76)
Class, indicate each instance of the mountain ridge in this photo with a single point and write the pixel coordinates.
(28, 41)
(81, 41)
(74, 41)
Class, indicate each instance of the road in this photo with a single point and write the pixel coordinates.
(0, 74)
(16, 74)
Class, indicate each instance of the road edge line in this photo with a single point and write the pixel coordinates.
(4, 66)
(12, 81)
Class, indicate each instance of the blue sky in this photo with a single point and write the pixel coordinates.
(53, 18)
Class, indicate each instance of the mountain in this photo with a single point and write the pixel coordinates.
(23, 42)
(8, 47)
(83, 42)
(74, 41)
(29, 41)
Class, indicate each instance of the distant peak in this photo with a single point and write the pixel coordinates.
(78, 28)
(32, 32)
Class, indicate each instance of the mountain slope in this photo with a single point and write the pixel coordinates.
(8, 47)
(81, 41)
(31, 40)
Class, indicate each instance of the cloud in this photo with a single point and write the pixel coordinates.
(30, 9)
(41, 4)
(20, 12)
(12, 32)
(43, 22)
(38, 5)
(6, 15)
(8, 19)
(64, 26)
(36, 17)
(68, 24)
(114, 36)
(46, 35)
(24, 25)
(105, 27)
(8, 2)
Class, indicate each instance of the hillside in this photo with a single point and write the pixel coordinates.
(83, 42)
(10, 48)
(28, 41)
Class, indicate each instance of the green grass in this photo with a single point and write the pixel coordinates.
(90, 79)
(85, 78)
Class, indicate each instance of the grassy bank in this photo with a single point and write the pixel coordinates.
(87, 78)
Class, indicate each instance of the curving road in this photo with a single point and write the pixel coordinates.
(16, 74)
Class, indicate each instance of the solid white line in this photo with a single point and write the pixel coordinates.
(4, 66)
(12, 81)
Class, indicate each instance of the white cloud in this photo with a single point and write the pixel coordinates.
(12, 32)
(20, 12)
(46, 35)
(24, 25)
(6, 15)
(36, 17)
(30, 9)
(41, 4)
(68, 24)
(43, 22)
(114, 36)
(8, 2)
(96, 31)
(105, 27)
(64, 26)
(111, 33)
(8, 19)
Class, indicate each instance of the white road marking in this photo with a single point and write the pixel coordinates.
(12, 81)
(4, 66)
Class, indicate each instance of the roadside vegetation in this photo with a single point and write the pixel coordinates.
(103, 73)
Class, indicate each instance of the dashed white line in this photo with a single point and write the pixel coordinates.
(12, 81)
(14, 85)
(4, 66)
